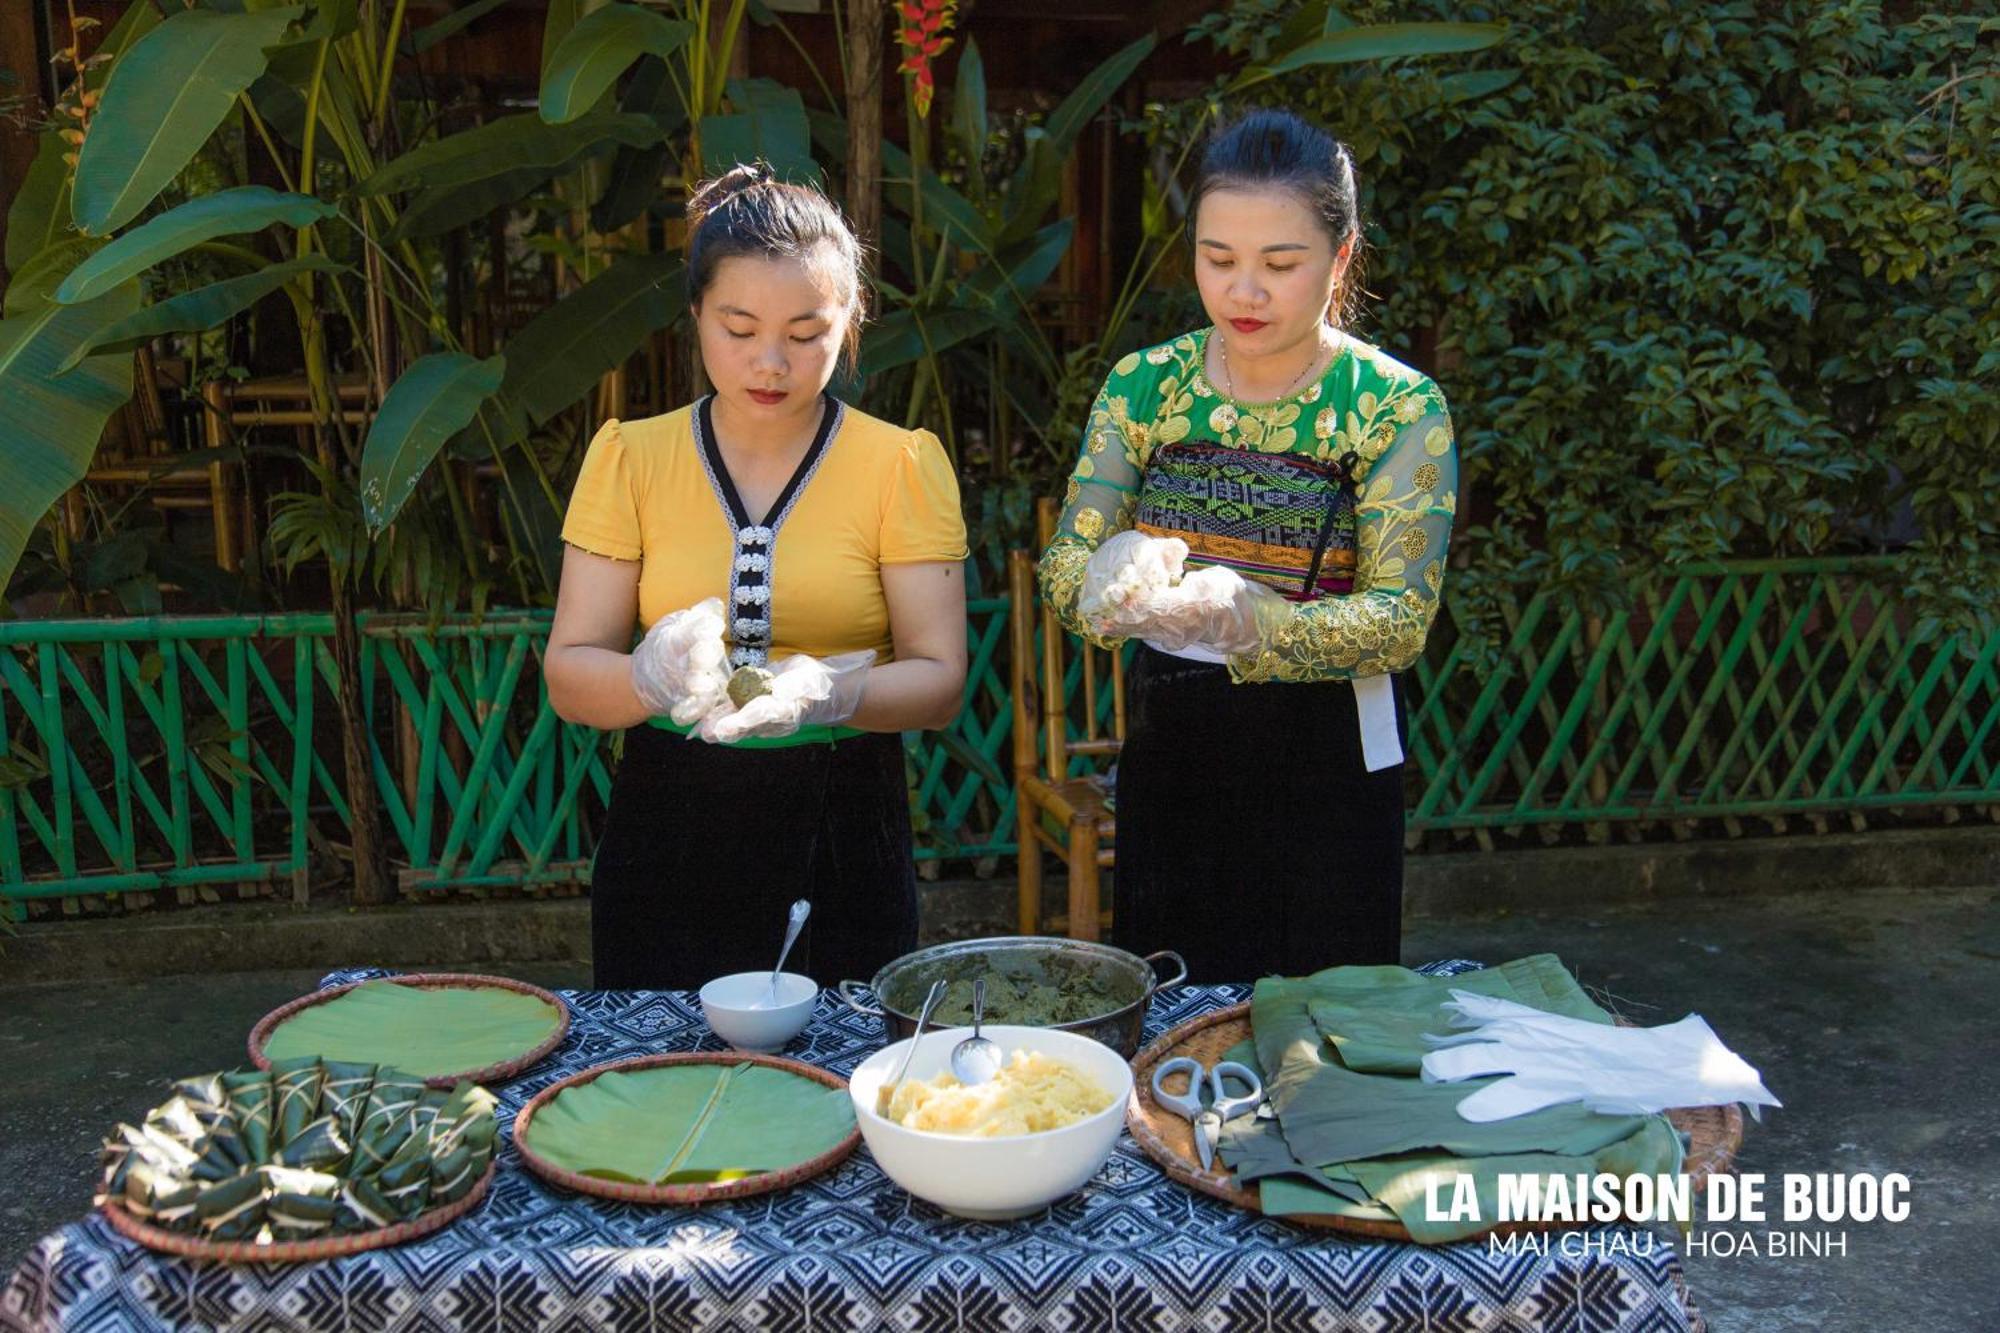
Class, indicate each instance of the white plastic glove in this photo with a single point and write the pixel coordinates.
(681, 667)
(1122, 575)
(805, 691)
(1215, 607)
(1555, 1059)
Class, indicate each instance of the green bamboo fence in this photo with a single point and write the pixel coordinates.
(175, 753)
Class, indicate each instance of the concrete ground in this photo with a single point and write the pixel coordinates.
(1870, 1013)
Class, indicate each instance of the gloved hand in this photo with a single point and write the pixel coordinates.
(681, 667)
(1215, 607)
(805, 691)
(1555, 1059)
(1122, 575)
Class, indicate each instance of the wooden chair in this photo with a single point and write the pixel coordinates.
(1056, 810)
(230, 408)
(139, 452)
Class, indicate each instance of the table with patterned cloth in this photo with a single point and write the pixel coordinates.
(850, 1250)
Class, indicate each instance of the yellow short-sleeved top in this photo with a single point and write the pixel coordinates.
(805, 578)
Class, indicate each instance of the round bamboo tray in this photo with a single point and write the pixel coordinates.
(696, 1192)
(291, 1251)
(1714, 1132)
(494, 1073)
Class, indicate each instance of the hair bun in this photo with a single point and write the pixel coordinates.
(710, 195)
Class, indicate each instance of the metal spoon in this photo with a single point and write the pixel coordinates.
(977, 1058)
(800, 911)
(883, 1093)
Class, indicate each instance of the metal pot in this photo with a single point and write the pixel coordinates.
(899, 988)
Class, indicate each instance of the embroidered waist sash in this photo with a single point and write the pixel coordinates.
(1281, 519)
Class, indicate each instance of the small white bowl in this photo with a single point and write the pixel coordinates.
(995, 1178)
(734, 1008)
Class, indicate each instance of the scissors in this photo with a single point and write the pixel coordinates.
(1221, 1109)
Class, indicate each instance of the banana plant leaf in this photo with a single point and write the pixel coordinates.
(40, 213)
(688, 1123)
(424, 38)
(602, 46)
(968, 111)
(510, 144)
(50, 424)
(433, 212)
(1383, 41)
(35, 281)
(433, 399)
(424, 1031)
(228, 213)
(167, 95)
(562, 352)
(768, 124)
(202, 308)
(634, 180)
(909, 335)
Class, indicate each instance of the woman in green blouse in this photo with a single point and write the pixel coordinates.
(1265, 503)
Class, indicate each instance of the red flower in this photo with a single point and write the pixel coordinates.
(923, 31)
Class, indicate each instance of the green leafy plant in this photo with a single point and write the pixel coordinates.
(1700, 282)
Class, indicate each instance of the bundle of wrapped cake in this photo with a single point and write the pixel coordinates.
(306, 1149)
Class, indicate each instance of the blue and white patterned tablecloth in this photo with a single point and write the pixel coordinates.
(849, 1250)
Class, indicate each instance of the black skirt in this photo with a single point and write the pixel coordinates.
(1251, 839)
(706, 846)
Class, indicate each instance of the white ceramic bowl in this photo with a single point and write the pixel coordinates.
(733, 1006)
(999, 1177)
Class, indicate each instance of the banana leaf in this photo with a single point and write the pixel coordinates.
(386, 1121)
(362, 1208)
(295, 1088)
(166, 96)
(249, 1092)
(602, 46)
(1368, 1144)
(232, 212)
(424, 38)
(300, 1204)
(319, 1145)
(232, 1210)
(344, 1094)
(425, 1031)
(681, 1124)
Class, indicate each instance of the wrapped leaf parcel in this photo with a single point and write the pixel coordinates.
(307, 1149)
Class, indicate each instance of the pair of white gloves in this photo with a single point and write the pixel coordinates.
(1552, 1059)
(681, 670)
(1136, 586)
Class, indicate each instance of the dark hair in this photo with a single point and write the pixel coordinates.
(1265, 148)
(747, 210)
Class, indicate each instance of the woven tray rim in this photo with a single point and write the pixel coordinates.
(1714, 1133)
(294, 1251)
(493, 1073)
(693, 1192)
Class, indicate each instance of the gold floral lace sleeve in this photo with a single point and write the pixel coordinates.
(1402, 524)
(1103, 488)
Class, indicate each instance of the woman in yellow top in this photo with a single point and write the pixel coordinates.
(1265, 503)
(773, 538)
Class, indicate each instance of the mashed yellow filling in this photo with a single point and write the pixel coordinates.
(1031, 1093)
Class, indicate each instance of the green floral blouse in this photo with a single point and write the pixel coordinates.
(1391, 418)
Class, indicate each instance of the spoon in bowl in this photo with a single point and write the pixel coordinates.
(883, 1093)
(800, 911)
(976, 1059)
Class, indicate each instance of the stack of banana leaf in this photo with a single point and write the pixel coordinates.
(1356, 1131)
(307, 1149)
